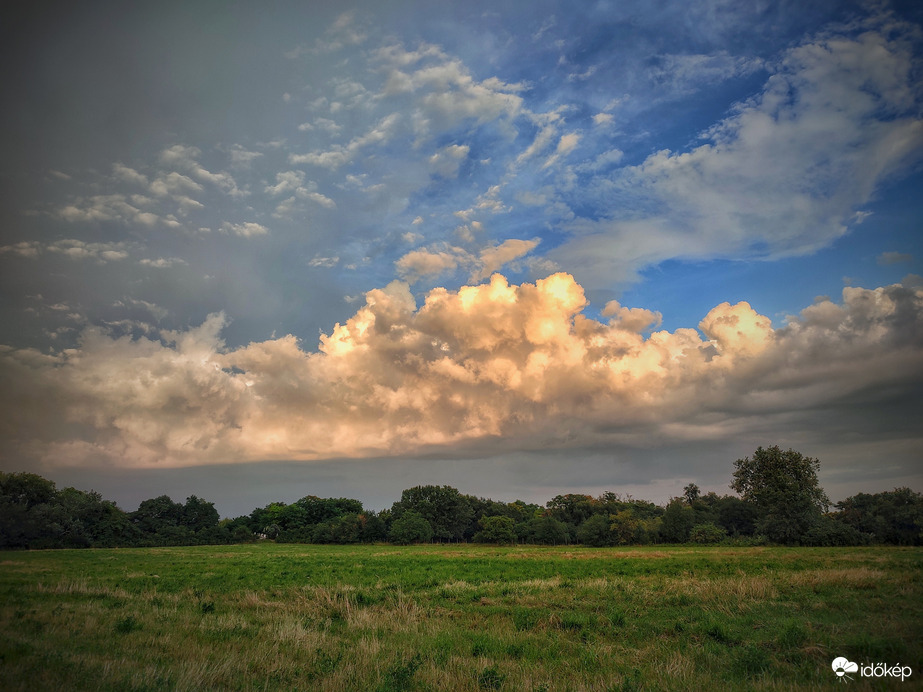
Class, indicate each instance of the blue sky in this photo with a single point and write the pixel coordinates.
(521, 248)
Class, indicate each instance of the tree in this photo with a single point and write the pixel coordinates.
(199, 514)
(496, 529)
(784, 488)
(595, 531)
(736, 516)
(157, 513)
(447, 510)
(691, 492)
(677, 522)
(895, 516)
(411, 527)
(545, 530)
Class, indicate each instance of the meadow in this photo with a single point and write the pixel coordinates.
(456, 617)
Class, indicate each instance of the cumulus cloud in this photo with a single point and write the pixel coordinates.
(518, 366)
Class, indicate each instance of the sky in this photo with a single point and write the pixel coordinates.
(257, 251)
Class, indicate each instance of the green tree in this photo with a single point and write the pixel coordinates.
(736, 516)
(677, 522)
(544, 530)
(447, 510)
(157, 513)
(895, 516)
(373, 528)
(199, 514)
(784, 488)
(410, 527)
(595, 531)
(496, 529)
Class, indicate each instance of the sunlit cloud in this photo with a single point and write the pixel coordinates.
(519, 365)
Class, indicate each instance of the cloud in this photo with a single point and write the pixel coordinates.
(430, 262)
(247, 229)
(886, 258)
(494, 258)
(518, 366)
(685, 73)
(186, 158)
(442, 258)
(783, 175)
(293, 182)
(566, 145)
(71, 248)
(339, 156)
(447, 160)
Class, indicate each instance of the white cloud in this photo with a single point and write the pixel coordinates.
(432, 262)
(129, 175)
(339, 156)
(247, 229)
(781, 176)
(684, 73)
(162, 262)
(518, 366)
(447, 160)
(566, 145)
(492, 259)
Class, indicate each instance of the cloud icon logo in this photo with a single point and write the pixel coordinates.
(842, 665)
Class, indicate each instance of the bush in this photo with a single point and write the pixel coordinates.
(411, 527)
(496, 530)
(830, 532)
(707, 533)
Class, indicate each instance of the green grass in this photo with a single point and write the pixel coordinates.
(293, 617)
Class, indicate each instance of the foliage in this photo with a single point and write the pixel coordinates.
(496, 530)
(447, 511)
(829, 531)
(410, 527)
(784, 488)
(894, 517)
(677, 522)
(782, 502)
(595, 531)
(543, 530)
(707, 533)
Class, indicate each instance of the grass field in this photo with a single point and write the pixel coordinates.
(294, 617)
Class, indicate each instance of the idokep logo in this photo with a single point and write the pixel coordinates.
(843, 666)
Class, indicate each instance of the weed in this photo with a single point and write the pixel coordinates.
(750, 661)
(491, 678)
(400, 675)
(127, 624)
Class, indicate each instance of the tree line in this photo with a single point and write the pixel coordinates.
(778, 500)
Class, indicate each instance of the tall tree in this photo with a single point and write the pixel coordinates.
(784, 488)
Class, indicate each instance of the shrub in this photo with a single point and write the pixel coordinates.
(411, 527)
(830, 532)
(707, 533)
